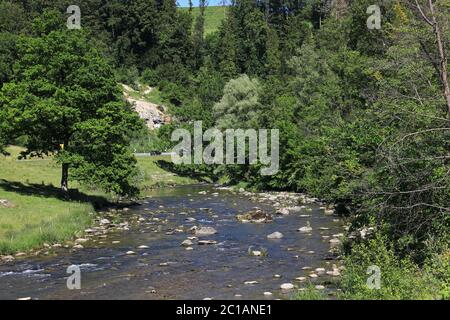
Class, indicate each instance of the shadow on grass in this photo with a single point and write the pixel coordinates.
(186, 171)
(50, 191)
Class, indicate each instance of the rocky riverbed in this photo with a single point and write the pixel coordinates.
(191, 242)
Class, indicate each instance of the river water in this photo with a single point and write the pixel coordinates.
(166, 270)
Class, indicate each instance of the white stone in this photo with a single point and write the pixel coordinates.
(283, 211)
(187, 243)
(305, 229)
(287, 286)
(205, 231)
(275, 235)
(320, 287)
(105, 221)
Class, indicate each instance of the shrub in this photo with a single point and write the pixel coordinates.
(400, 279)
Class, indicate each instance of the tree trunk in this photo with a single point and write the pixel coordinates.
(442, 57)
(65, 178)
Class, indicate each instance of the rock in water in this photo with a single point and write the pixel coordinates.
(295, 209)
(205, 231)
(187, 243)
(306, 229)
(320, 271)
(283, 211)
(335, 242)
(275, 235)
(287, 286)
(320, 287)
(256, 216)
(206, 242)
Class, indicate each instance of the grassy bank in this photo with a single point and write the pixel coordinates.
(37, 214)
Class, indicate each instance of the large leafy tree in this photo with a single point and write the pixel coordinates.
(64, 98)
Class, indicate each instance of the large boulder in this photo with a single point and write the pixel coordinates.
(205, 231)
(275, 235)
(256, 216)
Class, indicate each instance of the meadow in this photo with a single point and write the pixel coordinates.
(214, 16)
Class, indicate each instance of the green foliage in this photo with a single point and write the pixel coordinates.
(400, 279)
(12, 17)
(361, 114)
(8, 53)
(65, 99)
(147, 141)
(239, 106)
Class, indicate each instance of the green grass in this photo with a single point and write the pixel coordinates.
(39, 215)
(213, 17)
(310, 293)
(155, 97)
(154, 176)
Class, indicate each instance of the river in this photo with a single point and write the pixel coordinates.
(166, 270)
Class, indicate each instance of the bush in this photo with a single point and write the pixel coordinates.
(400, 279)
(129, 76)
(151, 77)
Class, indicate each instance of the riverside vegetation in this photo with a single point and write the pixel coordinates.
(363, 113)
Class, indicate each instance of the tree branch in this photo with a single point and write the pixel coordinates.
(423, 14)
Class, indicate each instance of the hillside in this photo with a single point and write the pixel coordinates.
(213, 19)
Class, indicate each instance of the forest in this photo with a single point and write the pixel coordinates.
(363, 113)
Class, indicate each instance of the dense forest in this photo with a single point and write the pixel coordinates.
(363, 113)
